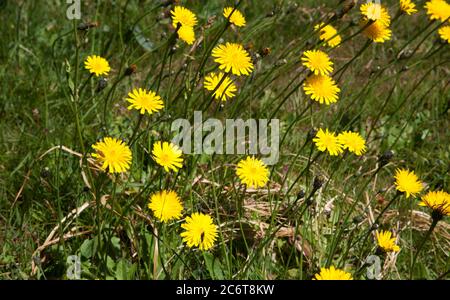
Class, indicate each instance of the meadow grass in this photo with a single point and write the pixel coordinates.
(396, 94)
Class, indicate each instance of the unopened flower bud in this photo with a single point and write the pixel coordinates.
(385, 158)
(318, 182)
(130, 70)
(312, 133)
(102, 83)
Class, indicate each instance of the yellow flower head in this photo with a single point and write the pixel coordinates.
(321, 88)
(252, 172)
(386, 242)
(328, 34)
(438, 10)
(332, 274)
(438, 201)
(233, 57)
(200, 231)
(444, 33)
(408, 7)
(407, 182)
(167, 155)
(328, 141)
(97, 65)
(145, 101)
(237, 18)
(375, 12)
(377, 31)
(353, 141)
(166, 205)
(318, 62)
(227, 88)
(114, 155)
(183, 16)
(186, 34)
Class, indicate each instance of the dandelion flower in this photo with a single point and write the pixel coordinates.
(187, 34)
(386, 242)
(318, 62)
(328, 141)
(237, 18)
(321, 88)
(407, 182)
(114, 155)
(377, 31)
(97, 65)
(353, 141)
(444, 33)
(233, 57)
(167, 155)
(408, 7)
(252, 172)
(200, 231)
(166, 205)
(438, 201)
(328, 34)
(183, 16)
(332, 274)
(375, 12)
(145, 101)
(438, 10)
(227, 88)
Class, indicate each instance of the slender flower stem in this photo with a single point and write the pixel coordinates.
(335, 241)
(386, 207)
(345, 67)
(375, 223)
(136, 129)
(422, 243)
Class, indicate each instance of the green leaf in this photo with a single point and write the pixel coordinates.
(110, 264)
(214, 266)
(115, 241)
(121, 270)
(88, 248)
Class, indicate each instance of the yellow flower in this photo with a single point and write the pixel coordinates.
(318, 62)
(408, 7)
(237, 18)
(166, 205)
(386, 242)
(187, 34)
(252, 172)
(438, 201)
(444, 33)
(183, 16)
(353, 141)
(332, 274)
(407, 182)
(145, 101)
(375, 12)
(226, 89)
(328, 34)
(233, 57)
(200, 231)
(114, 155)
(328, 141)
(438, 10)
(97, 65)
(322, 89)
(377, 31)
(167, 155)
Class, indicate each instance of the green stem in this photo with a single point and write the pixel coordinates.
(425, 238)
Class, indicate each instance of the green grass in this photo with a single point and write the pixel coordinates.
(402, 103)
